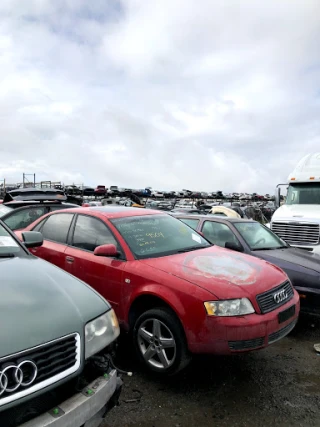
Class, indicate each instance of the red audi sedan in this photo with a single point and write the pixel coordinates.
(174, 291)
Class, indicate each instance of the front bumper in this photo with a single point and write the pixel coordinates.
(84, 409)
(229, 335)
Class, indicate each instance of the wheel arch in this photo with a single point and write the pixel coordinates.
(148, 300)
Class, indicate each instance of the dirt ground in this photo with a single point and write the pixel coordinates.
(278, 386)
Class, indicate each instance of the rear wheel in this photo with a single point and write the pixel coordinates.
(160, 342)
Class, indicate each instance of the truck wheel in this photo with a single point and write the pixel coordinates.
(160, 342)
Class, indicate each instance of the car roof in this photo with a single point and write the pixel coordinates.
(111, 211)
(212, 217)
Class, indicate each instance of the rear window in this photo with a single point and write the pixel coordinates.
(4, 210)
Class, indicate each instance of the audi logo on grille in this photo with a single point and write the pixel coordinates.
(280, 296)
(14, 376)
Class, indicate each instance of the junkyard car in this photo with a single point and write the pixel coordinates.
(251, 237)
(171, 289)
(23, 206)
(56, 340)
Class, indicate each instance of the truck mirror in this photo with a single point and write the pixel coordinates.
(277, 198)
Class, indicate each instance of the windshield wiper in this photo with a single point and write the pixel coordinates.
(269, 249)
(8, 255)
(192, 248)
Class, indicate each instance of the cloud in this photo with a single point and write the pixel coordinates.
(172, 94)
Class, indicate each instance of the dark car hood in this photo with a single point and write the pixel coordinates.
(302, 267)
(40, 302)
(224, 273)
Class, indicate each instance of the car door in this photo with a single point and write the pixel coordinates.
(104, 274)
(218, 233)
(55, 230)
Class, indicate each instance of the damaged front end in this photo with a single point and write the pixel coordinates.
(83, 401)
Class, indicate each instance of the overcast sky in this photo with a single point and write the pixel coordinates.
(197, 94)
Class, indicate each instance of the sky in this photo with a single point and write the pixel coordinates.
(198, 94)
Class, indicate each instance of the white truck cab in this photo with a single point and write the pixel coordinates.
(297, 221)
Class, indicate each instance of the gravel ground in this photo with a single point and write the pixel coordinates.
(278, 386)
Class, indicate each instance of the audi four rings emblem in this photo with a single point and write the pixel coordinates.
(280, 296)
(14, 376)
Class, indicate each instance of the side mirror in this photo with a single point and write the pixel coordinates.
(32, 239)
(277, 198)
(106, 250)
(233, 246)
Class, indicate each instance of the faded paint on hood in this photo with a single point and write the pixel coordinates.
(224, 273)
(40, 302)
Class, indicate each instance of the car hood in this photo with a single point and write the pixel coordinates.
(302, 267)
(40, 302)
(224, 273)
(297, 213)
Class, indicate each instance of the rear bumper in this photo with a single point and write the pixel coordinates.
(229, 335)
(86, 408)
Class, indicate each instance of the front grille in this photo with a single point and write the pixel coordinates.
(38, 367)
(246, 344)
(281, 333)
(297, 233)
(267, 302)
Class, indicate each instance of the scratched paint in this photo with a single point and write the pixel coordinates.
(225, 267)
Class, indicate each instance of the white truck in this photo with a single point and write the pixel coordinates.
(297, 221)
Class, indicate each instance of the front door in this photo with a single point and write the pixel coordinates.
(104, 274)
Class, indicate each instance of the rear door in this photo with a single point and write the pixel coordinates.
(55, 230)
(104, 274)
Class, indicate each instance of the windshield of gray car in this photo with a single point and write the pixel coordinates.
(259, 237)
(153, 236)
(4, 210)
(8, 245)
(304, 194)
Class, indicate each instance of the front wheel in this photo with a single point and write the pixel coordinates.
(160, 342)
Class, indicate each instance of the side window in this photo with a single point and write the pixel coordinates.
(90, 232)
(56, 227)
(218, 233)
(39, 225)
(25, 217)
(193, 223)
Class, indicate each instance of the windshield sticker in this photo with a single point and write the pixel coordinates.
(196, 238)
(6, 241)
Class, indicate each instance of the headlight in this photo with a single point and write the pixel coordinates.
(99, 333)
(232, 307)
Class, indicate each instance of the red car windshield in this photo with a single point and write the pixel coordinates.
(158, 235)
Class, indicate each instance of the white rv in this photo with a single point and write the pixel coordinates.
(297, 221)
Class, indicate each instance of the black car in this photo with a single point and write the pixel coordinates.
(23, 206)
(253, 238)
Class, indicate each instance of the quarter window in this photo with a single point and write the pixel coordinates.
(90, 232)
(56, 227)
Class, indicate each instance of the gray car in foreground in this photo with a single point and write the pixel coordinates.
(56, 341)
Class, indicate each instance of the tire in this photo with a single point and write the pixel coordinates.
(160, 342)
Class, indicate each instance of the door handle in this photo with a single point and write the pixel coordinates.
(69, 259)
